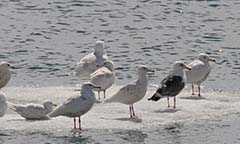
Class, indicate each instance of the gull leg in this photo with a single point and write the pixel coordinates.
(133, 113)
(193, 89)
(79, 122)
(74, 123)
(98, 95)
(104, 94)
(174, 99)
(130, 109)
(168, 102)
(199, 89)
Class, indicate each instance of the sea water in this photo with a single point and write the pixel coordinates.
(45, 39)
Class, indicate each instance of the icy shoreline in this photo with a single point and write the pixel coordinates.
(115, 115)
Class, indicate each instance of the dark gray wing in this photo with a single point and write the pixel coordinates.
(171, 85)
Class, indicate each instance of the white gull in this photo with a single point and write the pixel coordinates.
(200, 69)
(132, 92)
(103, 77)
(34, 111)
(3, 105)
(77, 106)
(5, 74)
(91, 62)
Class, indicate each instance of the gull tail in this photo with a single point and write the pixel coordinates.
(156, 96)
(12, 106)
(56, 112)
(52, 114)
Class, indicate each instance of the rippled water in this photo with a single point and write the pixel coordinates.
(45, 39)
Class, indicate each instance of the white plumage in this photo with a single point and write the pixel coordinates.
(200, 69)
(3, 104)
(132, 92)
(5, 74)
(33, 111)
(92, 61)
(78, 105)
(103, 77)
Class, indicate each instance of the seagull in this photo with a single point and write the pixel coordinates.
(172, 84)
(78, 105)
(199, 72)
(103, 77)
(3, 104)
(5, 74)
(132, 92)
(92, 61)
(33, 111)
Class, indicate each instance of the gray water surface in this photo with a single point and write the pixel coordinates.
(45, 39)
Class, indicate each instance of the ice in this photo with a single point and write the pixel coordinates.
(116, 115)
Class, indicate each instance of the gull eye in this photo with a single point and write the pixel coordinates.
(8, 65)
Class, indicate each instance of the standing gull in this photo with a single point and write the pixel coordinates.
(132, 92)
(78, 105)
(3, 104)
(199, 72)
(92, 61)
(34, 111)
(103, 77)
(171, 85)
(5, 74)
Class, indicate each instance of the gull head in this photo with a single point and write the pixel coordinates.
(143, 69)
(205, 58)
(99, 47)
(49, 104)
(2, 98)
(5, 65)
(89, 85)
(180, 66)
(109, 64)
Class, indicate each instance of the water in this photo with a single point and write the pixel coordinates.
(44, 40)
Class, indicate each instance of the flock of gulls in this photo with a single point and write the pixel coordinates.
(99, 71)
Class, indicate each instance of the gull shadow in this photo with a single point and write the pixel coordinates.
(168, 110)
(28, 120)
(193, 97)
(136, 120)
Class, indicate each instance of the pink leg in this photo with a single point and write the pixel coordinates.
(133, 113)
(168, 102)
(174, 102)
(74, 123)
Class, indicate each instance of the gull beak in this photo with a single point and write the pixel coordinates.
(151, 70)
(213, 60)
(54, 104)
(97, 87)
(12, 67)
(188, 68)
